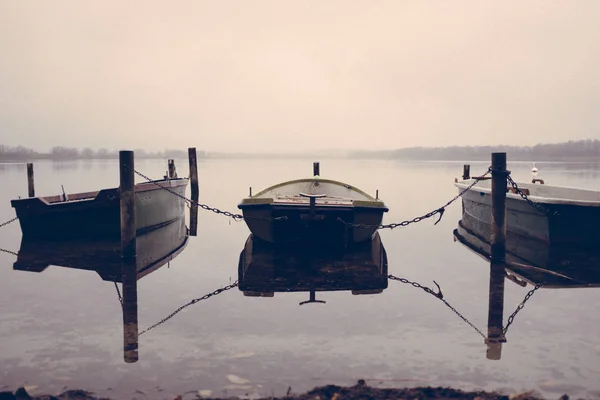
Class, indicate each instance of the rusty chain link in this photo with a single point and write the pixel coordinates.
(9, 252)
(119, 294)
(194, 301)
(537, 206)
(440, 296)
(464, 318)
(235, 217)
(520, 307)
(8, 222)
(439, 293)
(439, 211)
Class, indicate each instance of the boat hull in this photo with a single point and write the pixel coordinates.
(562, 223)
(265, 268)
(536, 261)
(312, 210)
(324, 226)
(99, 214)
(154, 248)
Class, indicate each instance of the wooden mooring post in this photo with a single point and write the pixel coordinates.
(195, 191)
(172, 172)
(495, 336)
(30, 181)
(466, 172)
(127, 203)
(130, 311)
(316, 169)
(128, 255)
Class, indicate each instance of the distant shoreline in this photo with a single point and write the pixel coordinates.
(572, 151)
(314, 157)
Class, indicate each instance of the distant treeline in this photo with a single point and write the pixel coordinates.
(583, 150)
(567, 151)
(20, 153)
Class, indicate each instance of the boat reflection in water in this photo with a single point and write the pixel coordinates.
(154, 249)
(529, 262)
(265, 268)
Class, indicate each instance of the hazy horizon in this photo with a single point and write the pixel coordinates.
(269, 76)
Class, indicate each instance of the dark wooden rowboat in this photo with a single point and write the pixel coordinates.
(154, 248)
(265, 268)
(97, 214)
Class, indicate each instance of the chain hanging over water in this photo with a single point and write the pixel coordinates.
(235, 217)
(439, 293)
(9, 252)
(119, 294)
(440, 296)
(439, 211)
(194, 301)
(8, 222)
(520, 307)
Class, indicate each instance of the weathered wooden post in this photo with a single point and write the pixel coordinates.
(127, 203)
(498, 256)
(30, 181)
(128, 255)
(495, 336)
(466, 172)
(130, 311)
(195, 191)
(172, 173)
(316, 169)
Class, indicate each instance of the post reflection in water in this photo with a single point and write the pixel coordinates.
(154, 249)
(265, 268)
(529, 263)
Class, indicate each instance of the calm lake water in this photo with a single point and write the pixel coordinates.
(63, 327)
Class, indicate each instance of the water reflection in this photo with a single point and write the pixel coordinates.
(265, 269)
(529, 263)
(532, 262)
(155, 249)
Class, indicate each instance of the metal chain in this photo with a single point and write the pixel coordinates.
(235, 217)
(9, 252)
(439, 293)
(527, 199)
(464, 319)
(119, 294)
(439, 211)
(8, 222)
(520, 307)
(440, 296)
(194, 301)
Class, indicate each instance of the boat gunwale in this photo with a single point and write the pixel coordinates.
(338, 183)
(306, 206)
(464, 184)
(91, 196)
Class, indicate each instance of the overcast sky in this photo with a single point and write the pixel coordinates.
(283, 75)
